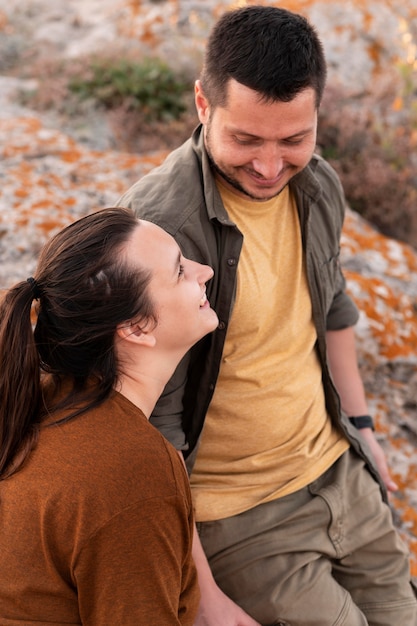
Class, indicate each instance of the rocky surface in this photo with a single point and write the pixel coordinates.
(53, 170)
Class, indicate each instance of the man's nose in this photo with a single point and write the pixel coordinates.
(268, 162)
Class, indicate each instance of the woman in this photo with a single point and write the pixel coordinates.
(95, 510)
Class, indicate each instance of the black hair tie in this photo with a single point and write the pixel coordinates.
(36, 291)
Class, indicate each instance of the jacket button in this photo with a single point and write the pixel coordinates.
(231, 262)
(221, 326)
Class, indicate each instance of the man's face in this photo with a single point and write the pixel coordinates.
(257, 146)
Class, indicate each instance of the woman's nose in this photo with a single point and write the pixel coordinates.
(205, 273)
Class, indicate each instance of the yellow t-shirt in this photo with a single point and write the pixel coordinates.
(267, 432)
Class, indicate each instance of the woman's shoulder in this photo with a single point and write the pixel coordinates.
(111, 448)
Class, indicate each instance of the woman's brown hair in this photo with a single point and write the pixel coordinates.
(84, 289)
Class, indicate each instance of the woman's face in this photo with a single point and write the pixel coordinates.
(177, 288)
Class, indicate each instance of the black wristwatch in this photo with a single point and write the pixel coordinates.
(362, 421)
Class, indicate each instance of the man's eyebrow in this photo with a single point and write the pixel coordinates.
(237, 131)
(304, 131)
(243, 133)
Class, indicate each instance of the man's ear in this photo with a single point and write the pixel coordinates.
(201, 103)
(133, 331)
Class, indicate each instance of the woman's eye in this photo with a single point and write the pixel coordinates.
(180, 270)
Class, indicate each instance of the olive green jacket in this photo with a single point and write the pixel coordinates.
(182, 198)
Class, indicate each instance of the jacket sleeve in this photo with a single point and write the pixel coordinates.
(342, 311)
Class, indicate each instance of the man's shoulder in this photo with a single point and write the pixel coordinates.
(170, 192)
(321, 183)
(320, 170)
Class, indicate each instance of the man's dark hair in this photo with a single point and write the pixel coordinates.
(268, 49)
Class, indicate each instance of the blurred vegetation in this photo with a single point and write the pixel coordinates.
(371, 141)
(369, 138)
(149, 87)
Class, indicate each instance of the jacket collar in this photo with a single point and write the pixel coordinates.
(214, 204)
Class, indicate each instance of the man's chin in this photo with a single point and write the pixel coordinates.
(245, 191)
(249, 188)
(259, 194)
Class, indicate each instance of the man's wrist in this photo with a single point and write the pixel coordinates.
(362, 421)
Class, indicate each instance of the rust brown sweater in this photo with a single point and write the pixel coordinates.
(96, 528)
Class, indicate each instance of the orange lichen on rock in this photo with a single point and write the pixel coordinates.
(4, 21)
(381, 276)
(391, 314)
(49, 181)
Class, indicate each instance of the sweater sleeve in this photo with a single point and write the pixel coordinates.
(137, 570)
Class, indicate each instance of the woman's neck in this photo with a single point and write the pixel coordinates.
(142, 390)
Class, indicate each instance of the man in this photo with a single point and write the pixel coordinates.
(287, 491)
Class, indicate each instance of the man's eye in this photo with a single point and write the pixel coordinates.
(246, 142)
(294, 142)
(180, 270)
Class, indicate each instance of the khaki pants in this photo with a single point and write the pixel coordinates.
(327, 555)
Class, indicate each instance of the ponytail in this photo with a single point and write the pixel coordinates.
(20, 388)
(86, 288)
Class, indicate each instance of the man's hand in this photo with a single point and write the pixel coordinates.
(217, 609)
(379, 456)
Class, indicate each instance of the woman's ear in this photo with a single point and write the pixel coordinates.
(133, 331)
